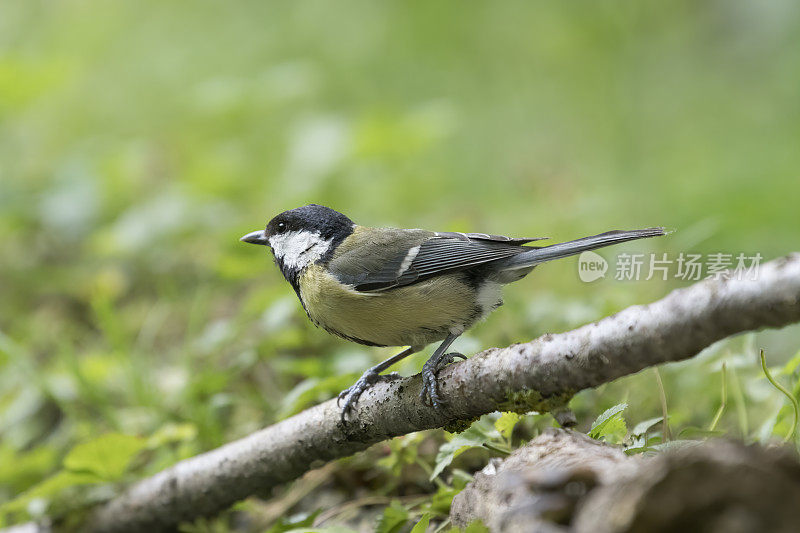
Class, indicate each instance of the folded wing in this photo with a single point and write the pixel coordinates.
(438, 254)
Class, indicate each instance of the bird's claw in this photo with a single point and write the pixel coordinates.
(351, 394)
(430, 390)
(450, 358)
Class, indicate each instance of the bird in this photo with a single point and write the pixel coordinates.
(403, 287)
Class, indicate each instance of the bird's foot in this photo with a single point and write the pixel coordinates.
(351, 394)
(430, 389)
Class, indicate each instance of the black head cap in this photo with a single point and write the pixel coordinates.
(324, 221)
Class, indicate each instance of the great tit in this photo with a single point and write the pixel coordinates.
(403, 287)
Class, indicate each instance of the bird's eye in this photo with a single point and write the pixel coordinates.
(281, 226)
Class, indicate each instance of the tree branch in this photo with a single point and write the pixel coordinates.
(563, 481)
(536, 376)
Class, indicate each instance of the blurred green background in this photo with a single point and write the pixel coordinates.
(139, 140)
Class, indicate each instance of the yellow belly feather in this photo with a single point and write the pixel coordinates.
(415, 315)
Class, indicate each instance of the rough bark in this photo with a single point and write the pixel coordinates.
(536, 376)
(564, 482)
(529, 486)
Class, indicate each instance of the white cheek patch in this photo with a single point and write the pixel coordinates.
(298, 249)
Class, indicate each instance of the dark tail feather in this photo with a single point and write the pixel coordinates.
(565, 249)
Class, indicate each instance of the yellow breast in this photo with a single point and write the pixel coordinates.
(415, 315)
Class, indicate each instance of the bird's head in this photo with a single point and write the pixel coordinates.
(302, 236)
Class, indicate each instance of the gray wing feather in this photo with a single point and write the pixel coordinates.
(445, 252)
(486, 237)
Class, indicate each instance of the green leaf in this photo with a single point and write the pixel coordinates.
(402, 452)
(19, 470)
(477, 434)
(171, 433)
(422, 525)
(394, 517)
(791, 365)
(505, 424)
(47, 491)
(476, 526)
(610, 424)
(293, 523)
(644, 426)
(108, 456)
(442, 499)
(642, 446)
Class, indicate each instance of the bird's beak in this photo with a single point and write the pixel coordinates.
(255, 237)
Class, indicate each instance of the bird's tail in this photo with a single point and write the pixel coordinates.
(534, 256)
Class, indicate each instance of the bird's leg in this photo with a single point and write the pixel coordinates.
(368, 379)
(437, 361)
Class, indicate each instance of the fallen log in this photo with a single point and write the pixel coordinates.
(563, 481)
